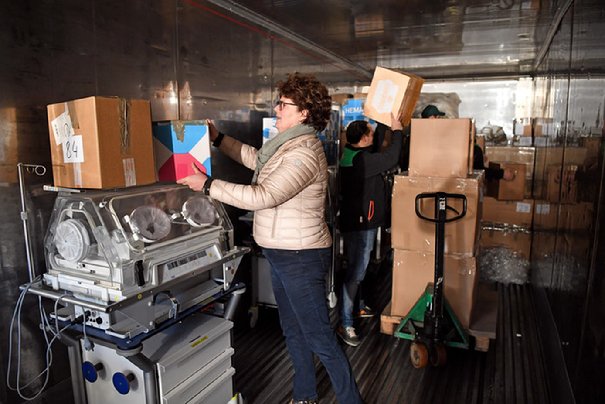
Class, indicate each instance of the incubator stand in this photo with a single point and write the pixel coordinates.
(129, 271)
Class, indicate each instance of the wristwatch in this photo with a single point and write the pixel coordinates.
(206, 187)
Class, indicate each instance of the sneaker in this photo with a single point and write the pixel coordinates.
(365, 312)
(348, 335)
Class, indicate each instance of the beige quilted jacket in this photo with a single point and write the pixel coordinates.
(288, 199)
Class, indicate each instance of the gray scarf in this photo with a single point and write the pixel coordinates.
(272, 145)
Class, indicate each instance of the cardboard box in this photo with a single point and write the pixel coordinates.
(561, 185)
(178, 146)
(413, 270)
(514, 154)
(547, 245)
(508, 213)
(441, 148)
(524, 141)
(409, 232)
(548, 156)
(392, 93)
(529, 130)
(550, 216)
(101, 142)
(518, 241)
(341, 98)
(593, 148)
(20, 134)
(507, 190)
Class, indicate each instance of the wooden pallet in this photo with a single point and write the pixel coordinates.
(483, 321)
(484, 317)
(388, 323)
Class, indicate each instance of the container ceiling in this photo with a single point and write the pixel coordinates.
(434, 39)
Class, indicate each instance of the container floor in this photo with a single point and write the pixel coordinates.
(511, 371)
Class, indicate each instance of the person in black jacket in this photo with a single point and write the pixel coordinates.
(363, 208)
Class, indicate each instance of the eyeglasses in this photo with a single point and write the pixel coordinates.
(280, 104)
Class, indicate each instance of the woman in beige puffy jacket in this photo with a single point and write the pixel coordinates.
(287, 195)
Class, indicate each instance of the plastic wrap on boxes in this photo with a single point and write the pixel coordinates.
(500, 264)
(568, 274)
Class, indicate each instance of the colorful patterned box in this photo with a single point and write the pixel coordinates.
(178, 146)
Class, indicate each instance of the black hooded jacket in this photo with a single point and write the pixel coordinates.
(363, 193)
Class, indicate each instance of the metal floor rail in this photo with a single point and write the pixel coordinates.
(512, 371)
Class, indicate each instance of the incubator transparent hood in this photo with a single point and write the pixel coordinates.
(108, 245)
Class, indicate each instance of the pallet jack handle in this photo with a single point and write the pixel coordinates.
(440, 219)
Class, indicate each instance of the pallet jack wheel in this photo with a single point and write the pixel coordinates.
(419, 355)
(440, 355)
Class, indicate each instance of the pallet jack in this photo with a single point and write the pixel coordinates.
(431, 324)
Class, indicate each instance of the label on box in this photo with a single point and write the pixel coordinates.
(73, 150)
(130, 173)
(543, 208)
(384, 98)
(62, 128)
(523, 207)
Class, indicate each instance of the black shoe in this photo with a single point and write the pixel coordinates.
(348, 335)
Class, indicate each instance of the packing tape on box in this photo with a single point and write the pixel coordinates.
(130, 173)
(77, 170)
(179, 130)
(124, 108)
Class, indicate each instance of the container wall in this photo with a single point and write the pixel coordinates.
(568, 261)
(189, 59)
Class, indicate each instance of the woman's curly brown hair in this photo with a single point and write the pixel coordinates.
(308, 93)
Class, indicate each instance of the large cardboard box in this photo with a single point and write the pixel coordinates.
(507, 190)
(517, 241)
(441, 147)
(394, 93)
(341, 98)
(409, 232)
(593, 148)
(550, 216)
(179, 145)
(413, 270)
(561, 184)
(508, 213)
(548, 156)
(547, 245)
(101, 142)
(513, 154)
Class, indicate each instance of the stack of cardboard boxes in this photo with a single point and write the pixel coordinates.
(440, 161)
(552, 199)
(507, 215)
(108, 142)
